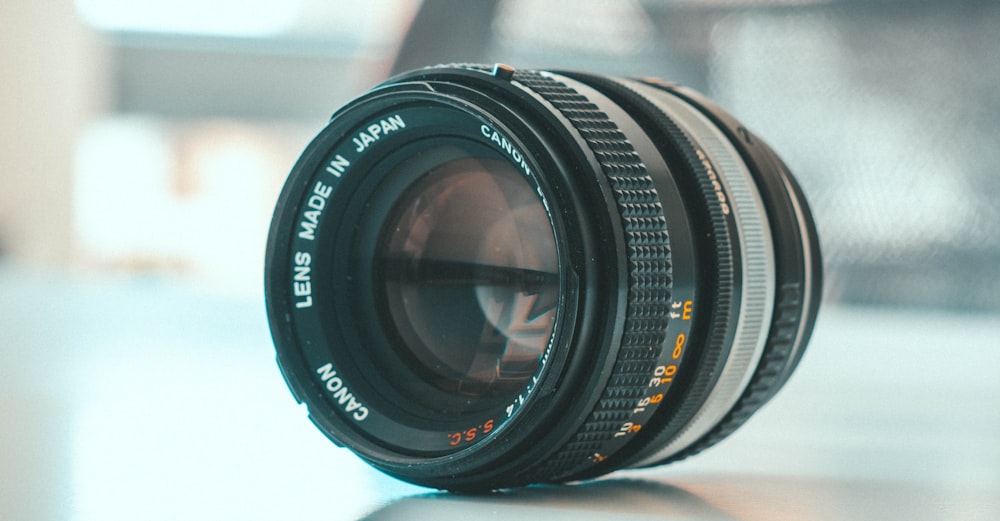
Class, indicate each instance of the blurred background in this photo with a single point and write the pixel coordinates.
(153, 136)
(143, 144)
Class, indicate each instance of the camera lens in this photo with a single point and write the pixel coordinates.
(482, 277)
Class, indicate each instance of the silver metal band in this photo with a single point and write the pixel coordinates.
(757, 292)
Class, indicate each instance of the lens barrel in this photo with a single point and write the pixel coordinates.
(482, 277)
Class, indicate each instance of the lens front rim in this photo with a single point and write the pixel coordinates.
(596, 243)
(312, 333)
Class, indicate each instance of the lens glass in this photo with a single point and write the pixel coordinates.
(467, 275)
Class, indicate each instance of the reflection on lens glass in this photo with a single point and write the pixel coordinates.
(470, 277)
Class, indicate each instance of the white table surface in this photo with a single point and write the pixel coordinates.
(147, 398)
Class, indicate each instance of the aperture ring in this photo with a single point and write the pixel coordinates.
(649, 272)
(757, 281)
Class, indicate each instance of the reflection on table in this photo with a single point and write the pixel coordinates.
(126, 398)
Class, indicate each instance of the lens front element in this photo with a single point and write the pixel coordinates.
(468, 277)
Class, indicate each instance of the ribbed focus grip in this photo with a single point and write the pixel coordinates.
(649, 271)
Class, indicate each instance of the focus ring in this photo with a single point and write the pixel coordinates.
(649, 271)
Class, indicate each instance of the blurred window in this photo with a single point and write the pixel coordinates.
(885, 111)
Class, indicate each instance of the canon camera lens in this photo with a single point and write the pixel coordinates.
(482, 277)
